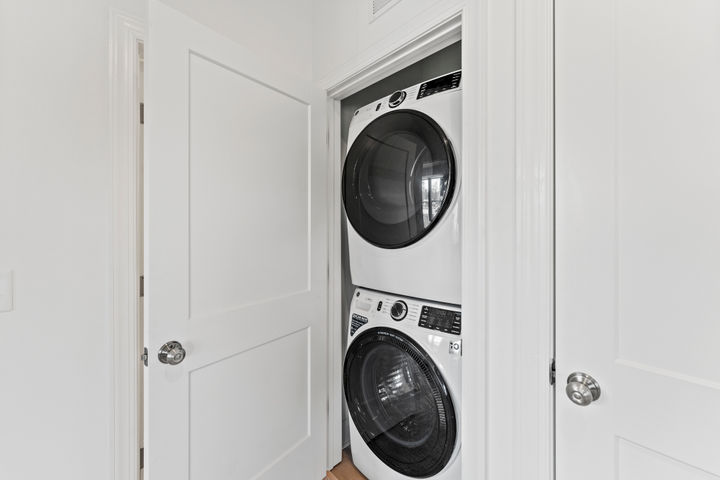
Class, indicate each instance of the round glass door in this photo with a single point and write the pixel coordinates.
(399, 402)
(398, 178)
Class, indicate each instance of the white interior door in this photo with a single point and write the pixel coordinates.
(236, 260)
(638, 237)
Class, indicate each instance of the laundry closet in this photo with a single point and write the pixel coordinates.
(401, 271)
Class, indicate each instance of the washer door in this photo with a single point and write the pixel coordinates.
(399, 402)
(398, 178)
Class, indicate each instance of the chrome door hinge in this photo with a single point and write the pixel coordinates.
(552, 372)
(141, 286)
(144, 356)
(142, 458)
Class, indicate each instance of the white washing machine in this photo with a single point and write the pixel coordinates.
(401, 191)
(402, 386)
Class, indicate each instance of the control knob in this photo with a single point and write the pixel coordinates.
(399, 310)
(396, 98)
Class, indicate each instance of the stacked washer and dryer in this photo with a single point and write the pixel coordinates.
(402, 371)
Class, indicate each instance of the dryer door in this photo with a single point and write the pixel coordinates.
(398, 178)
(399, 402)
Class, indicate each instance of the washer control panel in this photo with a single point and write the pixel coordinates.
(369, 308)
(447, 321)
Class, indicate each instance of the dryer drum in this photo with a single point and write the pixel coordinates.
(398, 178)
(399, 402)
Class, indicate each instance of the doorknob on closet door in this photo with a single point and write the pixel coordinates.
(582, 389)
(171, 353)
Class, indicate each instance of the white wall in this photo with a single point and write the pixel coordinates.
(55, 192)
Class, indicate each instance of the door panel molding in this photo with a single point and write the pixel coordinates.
(218, 279)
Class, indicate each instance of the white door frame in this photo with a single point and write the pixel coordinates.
(507, 293)
(534, 333)
(126, 33)
(509, 343)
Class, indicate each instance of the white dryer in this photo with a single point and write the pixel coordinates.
(401, 191)
(402, 378)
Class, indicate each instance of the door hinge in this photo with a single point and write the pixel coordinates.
(142, 458)
(552, 372)
(144, 357)
(141, 286)
(142, 113)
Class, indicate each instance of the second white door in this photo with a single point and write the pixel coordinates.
(236, 260)
(638, 237)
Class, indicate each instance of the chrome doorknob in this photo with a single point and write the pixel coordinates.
(171, 353)
(582, 389)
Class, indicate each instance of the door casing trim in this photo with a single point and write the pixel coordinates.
(534, 333)
(126, 33)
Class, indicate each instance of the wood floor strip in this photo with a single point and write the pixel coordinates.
(345, 470)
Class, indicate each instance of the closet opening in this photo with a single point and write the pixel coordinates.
(399, 163)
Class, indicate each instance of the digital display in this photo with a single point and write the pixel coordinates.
(441, 84)
(448, 321)
(442, 318)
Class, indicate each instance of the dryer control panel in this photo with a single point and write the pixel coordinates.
(440, 84)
